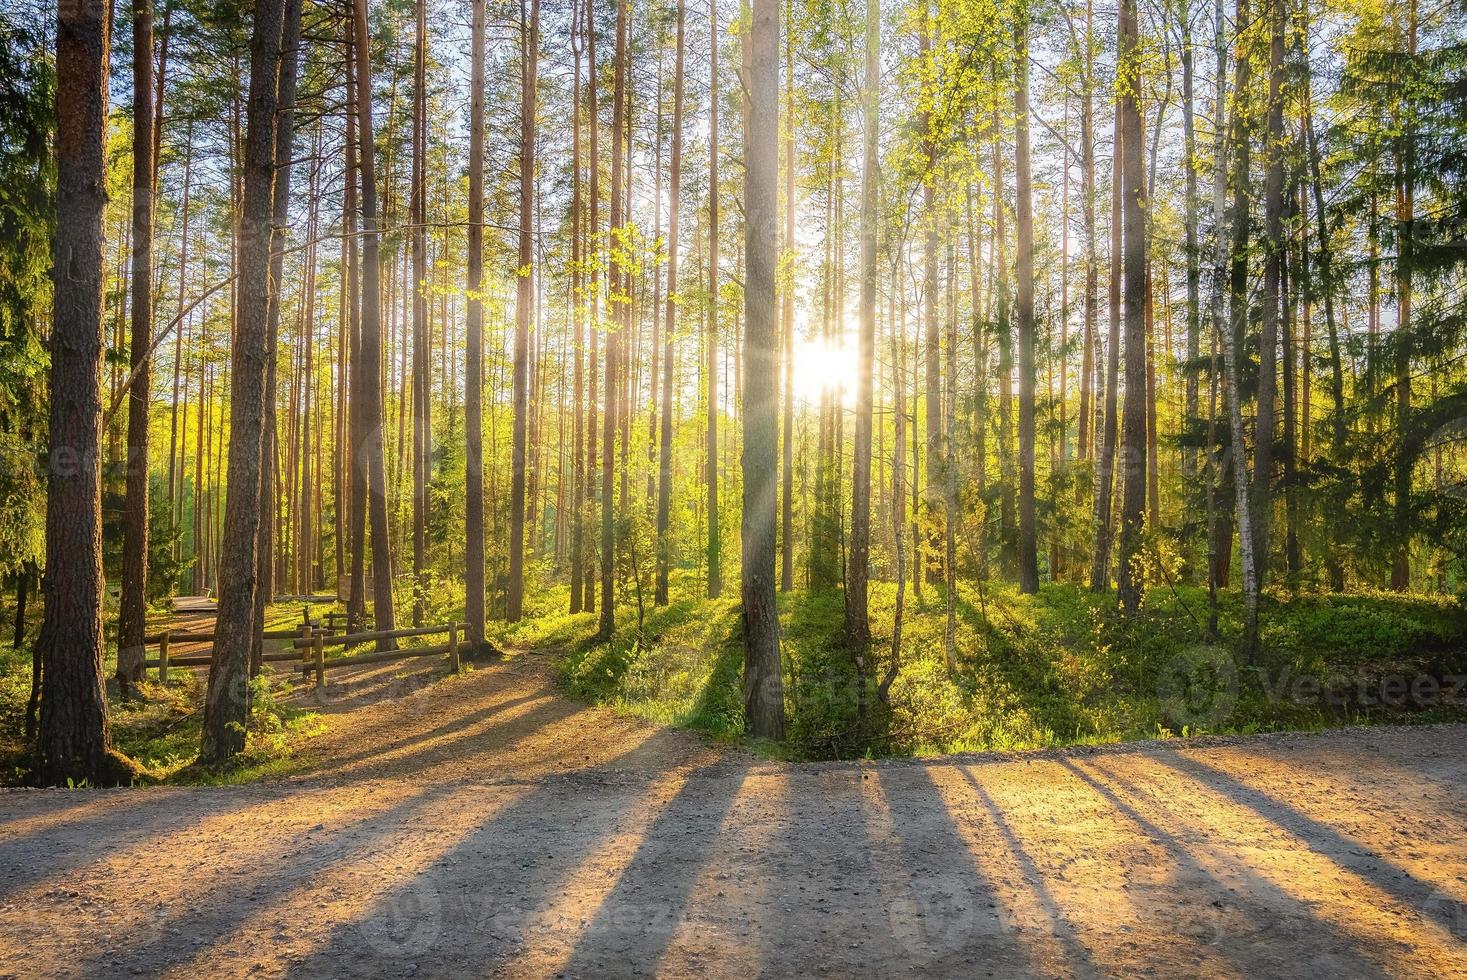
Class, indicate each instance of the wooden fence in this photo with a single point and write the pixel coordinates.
(317, 643)
(165, 640)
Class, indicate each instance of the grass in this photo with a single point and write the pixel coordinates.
(1058, 668)
(1062, 667)
(160, 728)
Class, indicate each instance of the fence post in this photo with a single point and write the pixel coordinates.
(305, 648)
(163, 658)
(320, 647)
(453, 647)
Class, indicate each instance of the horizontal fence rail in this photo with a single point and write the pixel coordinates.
(309, 648)
(319, 662)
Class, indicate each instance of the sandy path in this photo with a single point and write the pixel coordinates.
(482, 826)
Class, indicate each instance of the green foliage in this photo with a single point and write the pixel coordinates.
(1030, 671)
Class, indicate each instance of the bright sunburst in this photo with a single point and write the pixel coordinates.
(822, 368)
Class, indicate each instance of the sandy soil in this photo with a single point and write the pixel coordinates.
(484, 826)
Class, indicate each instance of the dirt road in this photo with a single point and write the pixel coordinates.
(483, 826)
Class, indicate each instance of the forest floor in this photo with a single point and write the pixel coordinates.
(484, 825)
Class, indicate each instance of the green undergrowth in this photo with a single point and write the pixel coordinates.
(1062, 667)
(159, 728)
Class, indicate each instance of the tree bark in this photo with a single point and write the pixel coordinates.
(226, 707)
(74, 738)
(1233, 334)
(715, 548)
(1028, 557)
(383, 616)
(1105, 463)
(524, 308)
(858, 622)
(617, 302)
(763, 683)
(134, 599)
(1133, 450)
(418, 208)
(787, 507)
(474, 334)
(1268, 342)
(580, 22)
(664, 454)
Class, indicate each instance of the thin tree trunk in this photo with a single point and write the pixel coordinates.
(664, 460)
(383, 616)
(715, 550)
(1028, 557)
(1233, 335)
(616, 294)
(422, 426)
(133, 601)
(1105, 464)
(1268, 343)
(524, 308)
(787, 541)
(474, 360)
(1133, 208)
(858, 622)
(579, 282)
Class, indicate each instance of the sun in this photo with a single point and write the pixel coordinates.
(824, 369)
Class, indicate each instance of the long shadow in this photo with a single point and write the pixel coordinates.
(53, 850)
(338, 764)
(951, 932)
(1027, 673)
(1321, 838)
(490, 889)
(1276, 956)
(522, 726)
(673, 852)
(1061, 927)
(155, 944)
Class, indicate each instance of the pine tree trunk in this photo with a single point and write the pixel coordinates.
(1028, 557)
(763, 682)
(226, 707)
(383, 617)
(422, 424)
(858, 623)
(1105, 462)
(787, 512)
(474, 361)
(1133, 208)
(74, 738)
(578, 310)
(290, 37)
(664, 446)
(1268, 343)
(617, 308)
(133, 601)
(715, 549)
(524, 309)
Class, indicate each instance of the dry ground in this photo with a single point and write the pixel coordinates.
(484, 826)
